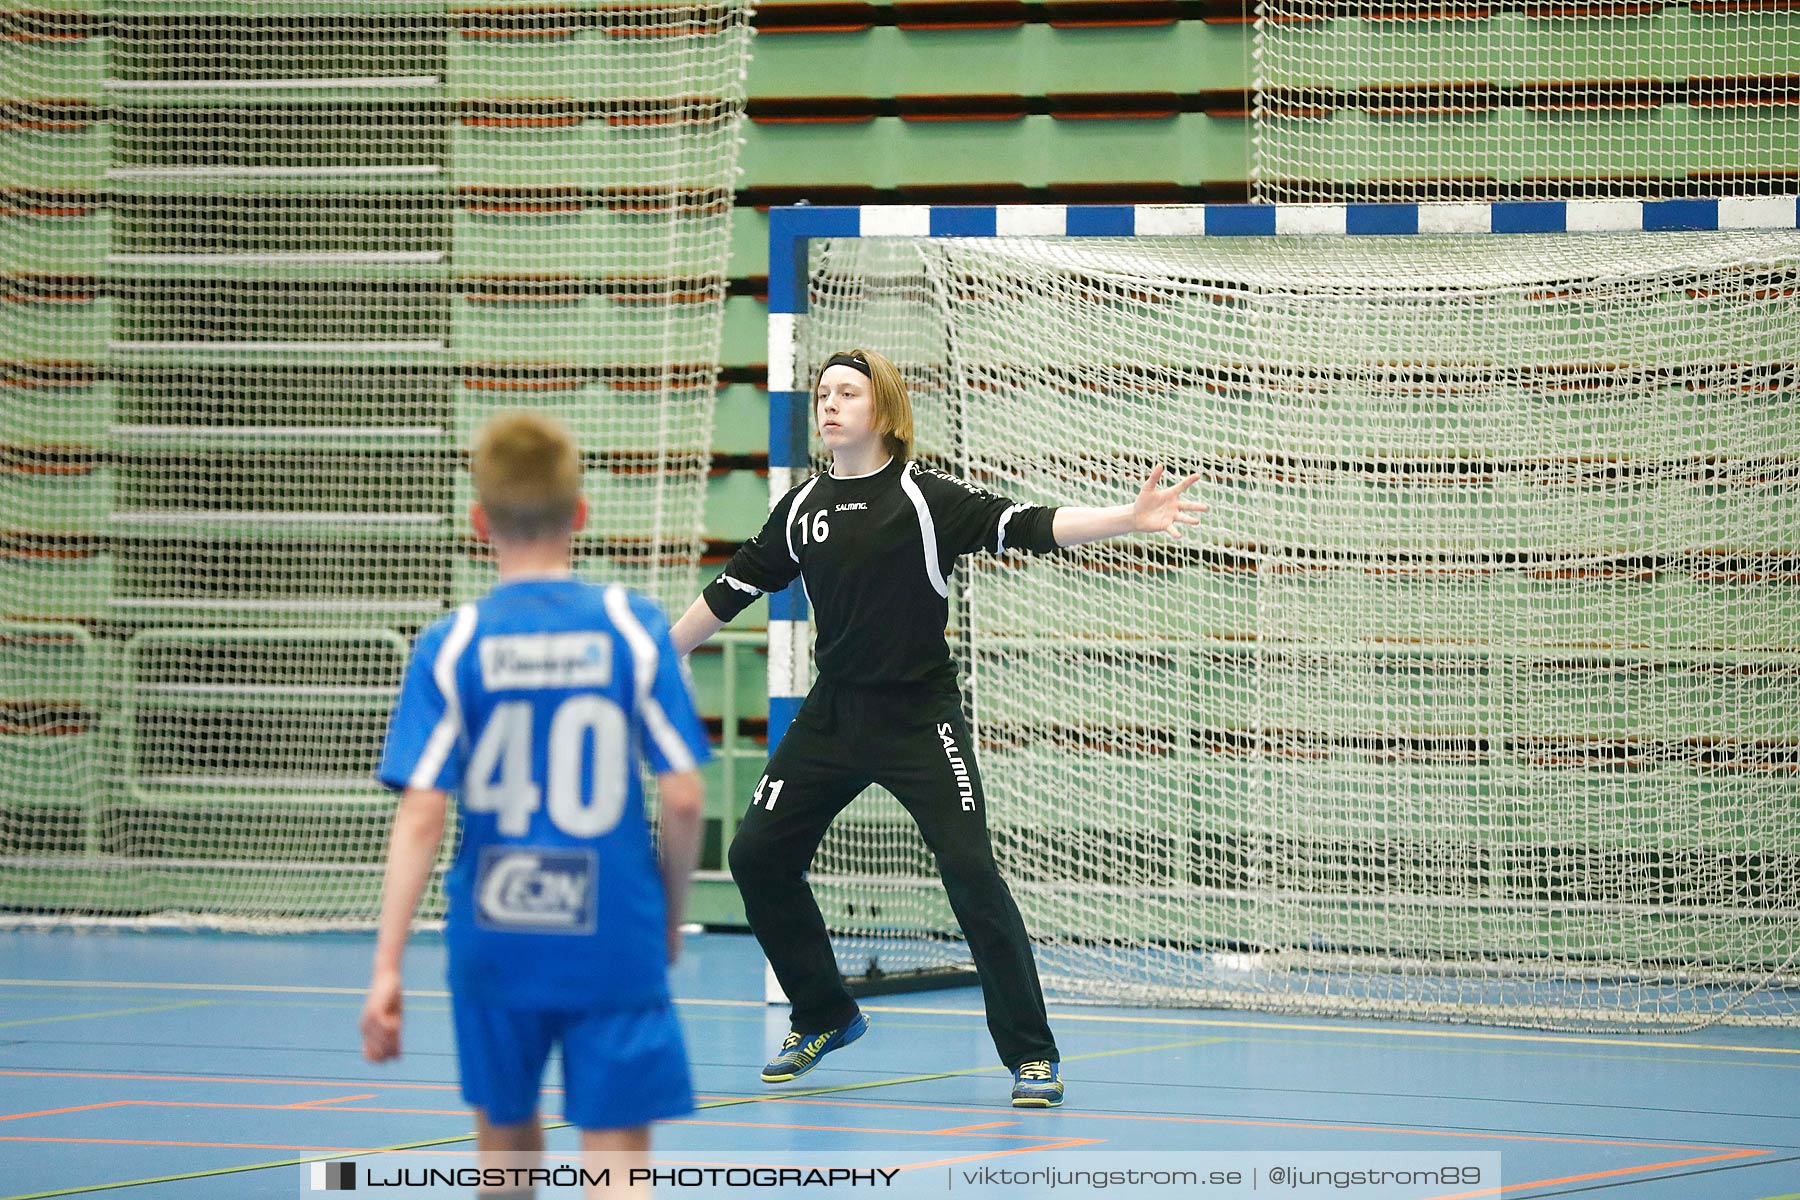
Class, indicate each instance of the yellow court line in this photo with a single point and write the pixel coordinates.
(348, 1004)
(716, 1104)
(1664, 1060)
(130, 985)
(1382, 1029)
(287, 989)
(773, 1097)
(1618, 1048)
(989, 1069)
(468, 1137)
(1619, 1039)
(113, 1012)
(285, 1162)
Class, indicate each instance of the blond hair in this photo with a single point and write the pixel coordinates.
(527, 474)
(893, 413)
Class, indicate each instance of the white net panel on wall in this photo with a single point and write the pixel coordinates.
(1382, 101)
(268, 266)
(1477, 694)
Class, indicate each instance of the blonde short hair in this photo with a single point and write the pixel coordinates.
(527, 474)
(893, 409)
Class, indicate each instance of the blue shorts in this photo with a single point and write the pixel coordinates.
(621, 1068)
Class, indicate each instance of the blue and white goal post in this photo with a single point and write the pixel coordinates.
(1472, 697)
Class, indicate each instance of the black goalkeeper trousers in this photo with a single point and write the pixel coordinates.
(914, 742)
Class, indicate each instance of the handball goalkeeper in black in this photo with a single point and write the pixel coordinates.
(875, 539)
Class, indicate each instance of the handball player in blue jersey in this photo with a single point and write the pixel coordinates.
(536, 707)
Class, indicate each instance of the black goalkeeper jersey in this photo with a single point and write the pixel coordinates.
(876, 552)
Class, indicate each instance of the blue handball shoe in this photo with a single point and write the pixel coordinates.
(1037, 1084)
(801, 1052)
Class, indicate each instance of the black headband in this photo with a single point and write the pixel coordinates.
(847, 360)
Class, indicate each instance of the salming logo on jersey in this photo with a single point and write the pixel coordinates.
(965, 786)
(964, 484)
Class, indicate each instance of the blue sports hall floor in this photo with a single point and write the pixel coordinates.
(202, 1066)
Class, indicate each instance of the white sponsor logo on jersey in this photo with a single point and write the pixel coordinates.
(964, 484)
(964, 785)
(856, 506)
(545, 660)
(535, 891)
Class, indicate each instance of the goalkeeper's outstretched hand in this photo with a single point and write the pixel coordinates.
(1162, 510)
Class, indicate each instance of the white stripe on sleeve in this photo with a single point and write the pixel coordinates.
(794, 508)
(927, 529)
(449, 726)
(740, 585)
(643, 654)
(1000, 532)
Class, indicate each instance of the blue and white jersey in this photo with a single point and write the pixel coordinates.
(535, 706)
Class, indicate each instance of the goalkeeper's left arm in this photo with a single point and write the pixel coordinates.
(1156, 510)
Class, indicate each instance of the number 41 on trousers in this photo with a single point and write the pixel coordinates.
(774, 787)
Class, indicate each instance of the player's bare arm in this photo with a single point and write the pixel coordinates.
(682, 797)
(1156, 510)
(412, 850)
(696, 625)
